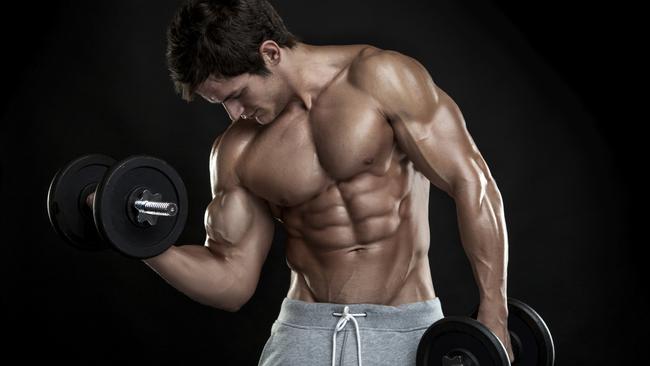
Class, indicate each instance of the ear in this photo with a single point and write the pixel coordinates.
(270, 51)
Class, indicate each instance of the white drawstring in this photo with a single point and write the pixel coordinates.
(340, 325)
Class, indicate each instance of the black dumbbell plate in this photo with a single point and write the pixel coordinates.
(113, 211)
(66, 207)
(529, 336)
(455, 335)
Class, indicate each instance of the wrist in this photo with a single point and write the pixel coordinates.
(158, 259)
(494, 297)
(493, 308)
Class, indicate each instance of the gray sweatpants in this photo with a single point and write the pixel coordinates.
(320, 334)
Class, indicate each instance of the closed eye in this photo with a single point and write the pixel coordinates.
(242, 92)
(235, 96)
(232, 97)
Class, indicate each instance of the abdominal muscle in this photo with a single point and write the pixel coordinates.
(336, 256)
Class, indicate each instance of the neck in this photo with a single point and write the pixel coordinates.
(308, 70)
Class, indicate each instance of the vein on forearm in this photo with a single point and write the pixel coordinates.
(483, 233)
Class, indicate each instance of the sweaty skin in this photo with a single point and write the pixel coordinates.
(346, 169)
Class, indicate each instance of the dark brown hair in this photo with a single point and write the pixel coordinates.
(221, 37)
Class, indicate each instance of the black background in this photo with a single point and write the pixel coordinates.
(548, 92)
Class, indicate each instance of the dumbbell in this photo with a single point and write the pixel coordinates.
(464, 341)
(137, 205)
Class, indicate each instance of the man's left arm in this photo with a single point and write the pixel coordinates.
(429, 127)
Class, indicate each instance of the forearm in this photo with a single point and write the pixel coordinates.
(199, 274)
(485, 241)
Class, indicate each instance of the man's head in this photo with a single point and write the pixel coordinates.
(226, 51)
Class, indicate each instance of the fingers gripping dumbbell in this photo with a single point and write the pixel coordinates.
(138, 205)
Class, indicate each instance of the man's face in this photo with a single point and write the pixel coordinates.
(251, 95)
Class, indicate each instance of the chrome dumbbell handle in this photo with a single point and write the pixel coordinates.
(148, 207)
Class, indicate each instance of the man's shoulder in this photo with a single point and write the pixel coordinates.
(227, 150)
(396, 81)
(237, 135)
(374, 66)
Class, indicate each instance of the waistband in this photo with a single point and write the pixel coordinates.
(401, 317)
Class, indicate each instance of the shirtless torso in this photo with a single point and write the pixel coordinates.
(354, 208)
(341, 147)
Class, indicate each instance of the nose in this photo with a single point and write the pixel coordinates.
(234, 109)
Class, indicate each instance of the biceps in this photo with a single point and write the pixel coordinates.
(441, 147)
(238, 226)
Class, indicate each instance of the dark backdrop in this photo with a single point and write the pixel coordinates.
(543, 90)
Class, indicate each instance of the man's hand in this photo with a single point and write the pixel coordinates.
(496, 319)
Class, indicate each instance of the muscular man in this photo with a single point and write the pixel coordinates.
(340, 145)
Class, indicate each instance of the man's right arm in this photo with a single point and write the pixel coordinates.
(224, 272)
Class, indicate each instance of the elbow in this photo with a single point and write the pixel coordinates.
(233, 309)
(238, 302)
(476, 191)
(473, 178)
(229, 307)
(464, 187)
(242, 301)
(235, 303)
(234, 290)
